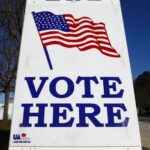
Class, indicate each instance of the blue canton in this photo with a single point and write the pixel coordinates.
(49, 21)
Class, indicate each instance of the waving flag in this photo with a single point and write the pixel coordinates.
(69, 32)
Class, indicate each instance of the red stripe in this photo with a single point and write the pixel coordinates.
(71, 34)
(74, 40)
(84, 21)
(71, 16)
(86, 27)
(108, 54)
(100, 49)
(71, 44)
(76, 20)
(78, 37)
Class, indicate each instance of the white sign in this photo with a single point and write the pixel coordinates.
(74, 87)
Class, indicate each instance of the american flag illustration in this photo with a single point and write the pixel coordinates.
(70, 32)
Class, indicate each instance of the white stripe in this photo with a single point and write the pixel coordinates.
(71, 33)
(69, 43)
(105, 45)
(103, 40)
(109, 52)
(99, 37)
(89, 44)
(72, 21)
(88, 23)
(72, 42)
(83, 19)
(95, 26)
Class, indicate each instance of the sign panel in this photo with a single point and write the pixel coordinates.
(74, 86)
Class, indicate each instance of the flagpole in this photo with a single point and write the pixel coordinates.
(45, 49)
(48, 58)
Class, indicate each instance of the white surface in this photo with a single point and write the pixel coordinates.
(76, 148)
(73, 1)
(72, 63)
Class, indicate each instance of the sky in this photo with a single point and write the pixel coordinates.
(136, 16)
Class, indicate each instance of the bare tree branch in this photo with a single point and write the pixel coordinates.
(11, 18)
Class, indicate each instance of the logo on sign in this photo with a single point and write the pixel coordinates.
(21, 138)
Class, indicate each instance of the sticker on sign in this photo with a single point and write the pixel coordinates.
(74, 87)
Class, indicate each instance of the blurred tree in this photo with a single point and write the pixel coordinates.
(142, 92)
(11, 19)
